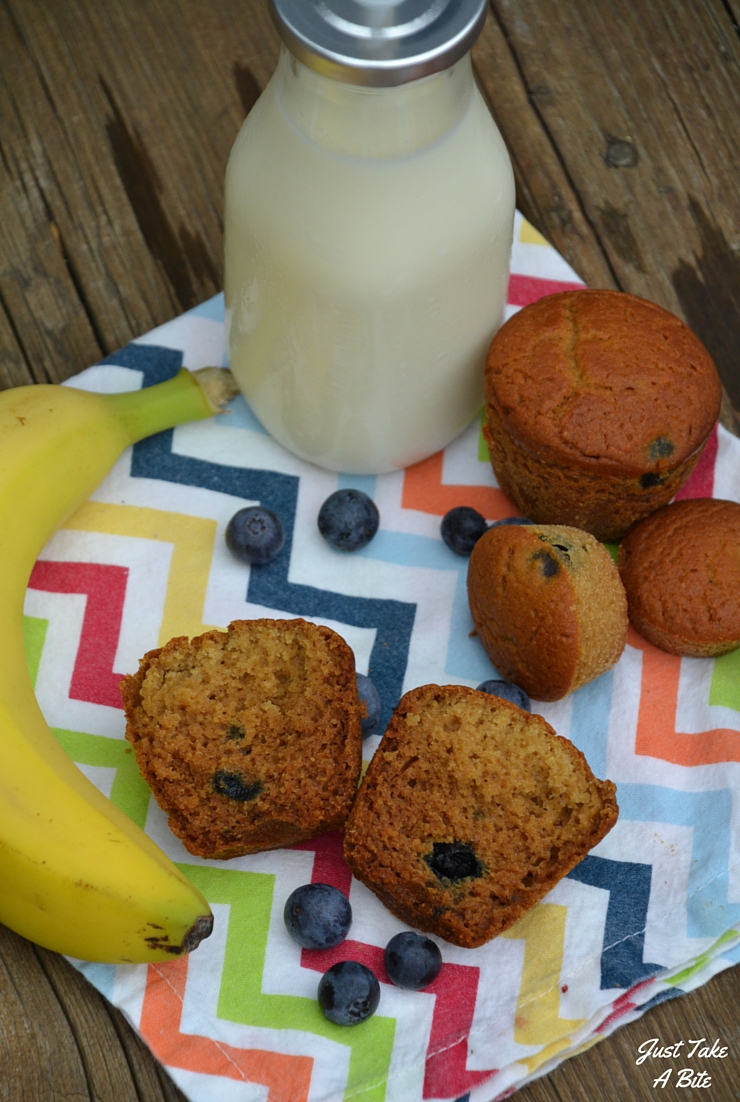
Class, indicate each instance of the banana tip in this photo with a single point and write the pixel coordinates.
(201, 929)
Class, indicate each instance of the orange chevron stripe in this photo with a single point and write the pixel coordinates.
(287, 1078)
(424, 491)
(192, 540)
(657, 736)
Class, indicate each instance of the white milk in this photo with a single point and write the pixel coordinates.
(368, 234)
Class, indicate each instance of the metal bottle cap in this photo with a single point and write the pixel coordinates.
(379, 42)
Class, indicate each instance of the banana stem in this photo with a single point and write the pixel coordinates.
(187, 396)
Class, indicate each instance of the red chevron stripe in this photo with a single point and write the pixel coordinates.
(455, 987)
(526, 289)
(623, 1005)
(701, 482)
(93, 679)
(329, 866)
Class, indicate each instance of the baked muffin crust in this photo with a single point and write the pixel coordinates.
(249, 738)
(548, 606)
(681, 571)
(598, 404)
(470, 811)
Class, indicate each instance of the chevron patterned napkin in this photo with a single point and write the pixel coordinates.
(652, 912)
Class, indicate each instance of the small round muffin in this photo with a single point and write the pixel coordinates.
(470, 812)
(249, 738)
(548, 606)
(681, 571)
(598, 405)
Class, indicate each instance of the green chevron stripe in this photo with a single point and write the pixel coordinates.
(34, 635)
(249, 894)
(725, 687)
(703, 960)
(484, 456)
(130, 792)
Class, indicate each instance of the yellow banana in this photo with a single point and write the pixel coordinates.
(76, 875)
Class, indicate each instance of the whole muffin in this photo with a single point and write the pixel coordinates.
(548, 606)
(681, 570)
(249, 738)
(470, 811)
(598, 405)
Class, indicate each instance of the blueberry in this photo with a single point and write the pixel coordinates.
(454, 861)
(235, 787)
(348, 993)
(461, 529)
(348, 519)
(662, 448)
(412, 960)
(369, 697)
(317, 916)
(549, 565)
(512, 520)
(255, 535)
(507, 691)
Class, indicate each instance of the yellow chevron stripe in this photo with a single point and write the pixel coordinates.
(192, 540)
(586, 1045)
(530, 236)
(537, 1020)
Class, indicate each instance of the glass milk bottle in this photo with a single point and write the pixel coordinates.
(368, 224)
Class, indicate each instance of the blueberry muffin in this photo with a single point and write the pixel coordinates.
(470, 811)
(249, 738)
(548, 606)
(681, 571)
(598, 405)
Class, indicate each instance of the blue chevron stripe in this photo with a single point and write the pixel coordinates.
(628, 885)
(212, 309)
(268, 585)
(465, 656)
(156, 364)
(708, 909)
(365, 482)
(661, 997)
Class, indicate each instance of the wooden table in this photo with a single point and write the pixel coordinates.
(117, 117)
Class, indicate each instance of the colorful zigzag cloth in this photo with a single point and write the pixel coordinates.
(652, 912)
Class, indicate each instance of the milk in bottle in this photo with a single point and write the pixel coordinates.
(369, 211)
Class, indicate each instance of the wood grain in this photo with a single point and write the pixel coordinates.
(545, 194)
(117, 121)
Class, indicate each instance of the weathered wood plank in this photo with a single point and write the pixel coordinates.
(39, 1059)
(60, 1040)
(545, 194)
(107, 1070)
(36, 286)
(118, 158)
(14, 367)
